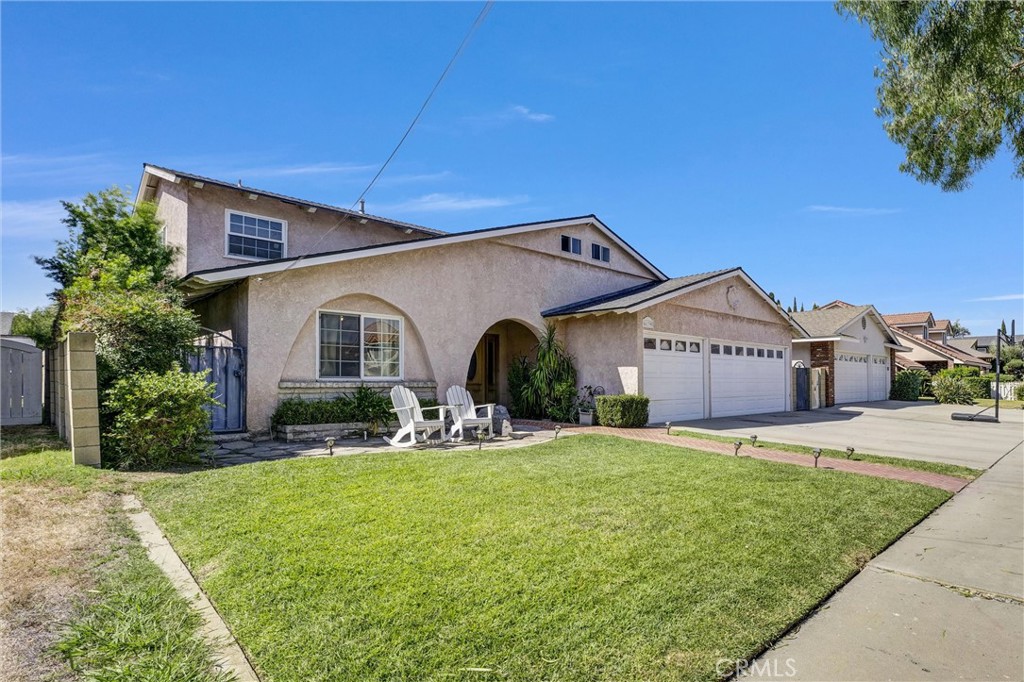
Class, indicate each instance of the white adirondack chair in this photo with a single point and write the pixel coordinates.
(414, 428)
(466, 414)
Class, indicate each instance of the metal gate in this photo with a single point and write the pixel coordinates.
(227, 371)
(803, 388)
(21, 386)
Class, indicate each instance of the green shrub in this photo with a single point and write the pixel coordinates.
(364, 405)
(518, 378)
(1015, 368)
(158, 419)
(991, 376)
(297, 411)
(953, 390)
(906, 386)
(959, 371)
(1018, 392)
(562, 406)
(623, 411)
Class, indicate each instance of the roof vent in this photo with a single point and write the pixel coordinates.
(362, 205)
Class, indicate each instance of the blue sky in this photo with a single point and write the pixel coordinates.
(706, 135)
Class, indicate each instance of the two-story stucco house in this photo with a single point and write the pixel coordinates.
(323, 299)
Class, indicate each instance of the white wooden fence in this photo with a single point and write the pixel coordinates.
(21, 383)
(1007, 389)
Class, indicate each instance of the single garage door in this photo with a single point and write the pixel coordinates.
(851, 378)
(747, 379)
(878, 382)
(674, 377)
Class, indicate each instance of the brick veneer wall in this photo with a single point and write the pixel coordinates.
(823, 355)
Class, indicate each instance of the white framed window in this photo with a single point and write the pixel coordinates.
(572, 245)
(254, 237)
(358, 346)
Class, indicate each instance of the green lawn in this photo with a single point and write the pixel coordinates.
(588, 558)
(920, 465)
(1003, 404)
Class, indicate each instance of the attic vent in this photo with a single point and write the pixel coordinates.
(863, 323)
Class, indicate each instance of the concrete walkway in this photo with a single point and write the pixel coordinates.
(244, 451)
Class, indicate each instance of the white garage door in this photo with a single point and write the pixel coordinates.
(674, 377)
(747, 379)
(851, 378)
(878, 381)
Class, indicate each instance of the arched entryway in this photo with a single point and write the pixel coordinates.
(500, 344)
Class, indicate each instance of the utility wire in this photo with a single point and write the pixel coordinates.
(426, 102)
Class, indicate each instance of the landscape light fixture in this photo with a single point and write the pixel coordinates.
(668, 428)
(330, 445)
(817, 454)
(557, 429)
(480, 435)
(849, 452)
(753, 440)
(737, 445)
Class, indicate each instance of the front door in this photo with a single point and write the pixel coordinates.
(483, 375)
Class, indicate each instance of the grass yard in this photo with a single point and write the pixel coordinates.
(1003, 404)
(588, 558)
(920, 465)
(79, 597)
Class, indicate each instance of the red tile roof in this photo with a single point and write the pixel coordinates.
(954, 354)
(907, 318)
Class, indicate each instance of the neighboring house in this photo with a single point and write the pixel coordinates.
(935, 356)
(21, 366)
(929, 342)
(982, 347)
(855, 345)
(324, 299)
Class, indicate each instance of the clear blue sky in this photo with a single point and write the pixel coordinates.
(707, 135)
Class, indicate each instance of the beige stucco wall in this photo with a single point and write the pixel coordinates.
(204, 247)
(449, 295)
(606, 349)
(172, 210)
(549, 244)
(870, 341)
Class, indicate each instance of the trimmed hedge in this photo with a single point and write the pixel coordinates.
(623, 411)
(953, 390)
(906, 386)
(364, 405)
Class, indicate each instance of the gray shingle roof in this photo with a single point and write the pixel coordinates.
(627, 298)
(828, 321)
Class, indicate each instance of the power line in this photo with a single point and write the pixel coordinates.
(426, 102)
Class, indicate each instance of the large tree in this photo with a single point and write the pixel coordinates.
(952, 82)
(957, 330)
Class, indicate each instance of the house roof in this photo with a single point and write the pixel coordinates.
(942, 325)
(903, 362)
(837, 304)
(898, 319)
(635, 298)
(954, 354)
(969, 346)
(146, 189)
(205, 281)
(828, 321)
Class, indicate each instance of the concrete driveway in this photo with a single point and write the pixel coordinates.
(945, 602)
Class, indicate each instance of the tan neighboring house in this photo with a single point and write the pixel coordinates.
(928, 340)
(319, 300)
(855, 345)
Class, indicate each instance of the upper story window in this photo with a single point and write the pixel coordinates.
(254, 237)
(602, 253)
(354, 346)
(572, 245)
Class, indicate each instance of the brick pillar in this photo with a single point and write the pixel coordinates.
(823, 356)
(83, 415)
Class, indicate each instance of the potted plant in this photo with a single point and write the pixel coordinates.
(586, 403)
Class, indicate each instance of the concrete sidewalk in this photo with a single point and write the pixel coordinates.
(946, 602)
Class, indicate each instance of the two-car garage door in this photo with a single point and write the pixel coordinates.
(692, 378)
(861, 378)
